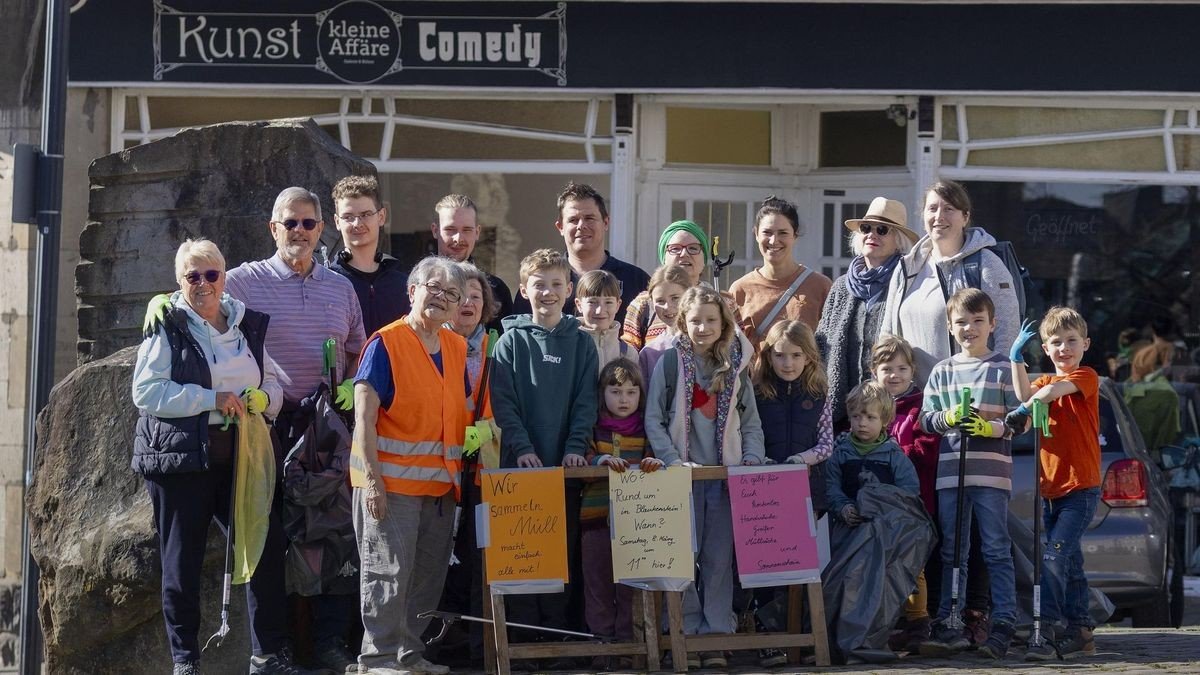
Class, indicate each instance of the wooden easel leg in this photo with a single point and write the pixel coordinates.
(500, 631)
(647, 609)
(795, 620)
(816, 615)
(675, 622)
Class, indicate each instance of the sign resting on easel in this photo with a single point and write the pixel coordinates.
(522, 525)
(774, 531)
(650, 516)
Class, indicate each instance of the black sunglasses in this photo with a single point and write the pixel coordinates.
(210, 276)
(292, 223)
(878, 228)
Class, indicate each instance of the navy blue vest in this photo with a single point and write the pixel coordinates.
(790, 421)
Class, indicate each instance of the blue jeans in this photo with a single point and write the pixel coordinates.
(1064, 584)
(990, 507)
(709, 608)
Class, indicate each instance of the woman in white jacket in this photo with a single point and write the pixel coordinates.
(935, 269)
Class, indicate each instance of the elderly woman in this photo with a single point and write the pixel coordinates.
(685, 244)
(410, 408)
(935, 269)
(202, 359)
(782, 289)
(853, 311)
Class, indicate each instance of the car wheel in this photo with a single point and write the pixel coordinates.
(1166, 609)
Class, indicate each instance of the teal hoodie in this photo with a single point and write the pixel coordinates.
(544, 390)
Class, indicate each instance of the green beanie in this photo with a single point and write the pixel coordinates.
(689, 227)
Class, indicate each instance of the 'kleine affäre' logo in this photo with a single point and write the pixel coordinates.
(358, 41)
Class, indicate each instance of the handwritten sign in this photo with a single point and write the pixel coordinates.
(651, 526)
(523, 527)
(774, 532)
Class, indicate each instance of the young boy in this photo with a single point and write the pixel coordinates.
(988, 486)
(867, 447)
(893, 365)
(544, 400)
(1070, 475)
(597, 301)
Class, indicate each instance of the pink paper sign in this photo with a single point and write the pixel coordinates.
(774, 532)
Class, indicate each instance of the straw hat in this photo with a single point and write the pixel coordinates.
(885, 212)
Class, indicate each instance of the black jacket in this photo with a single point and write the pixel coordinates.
(163, 445)
(382, 294)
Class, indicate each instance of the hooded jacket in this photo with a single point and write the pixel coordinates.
(931, 341)
(544, 390)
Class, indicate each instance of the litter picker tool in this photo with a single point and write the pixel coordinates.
(227, 581)
(717, 264)
(448, 618)
(1041, 429)
(964, 412)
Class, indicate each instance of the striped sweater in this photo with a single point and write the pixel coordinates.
(989, 460)
(632, 448)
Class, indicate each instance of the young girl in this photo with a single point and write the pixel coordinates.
(701, 410)
(667, 286)
(790, 391)
(618, 441)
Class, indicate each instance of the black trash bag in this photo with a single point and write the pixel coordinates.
(317, 513)
(1100, 608)
(872, 570)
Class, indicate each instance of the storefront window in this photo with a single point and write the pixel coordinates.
(1120, 254)
(861, 138)
(718, 136)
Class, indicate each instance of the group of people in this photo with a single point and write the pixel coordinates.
(595, 362)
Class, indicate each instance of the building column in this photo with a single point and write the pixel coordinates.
(929, 129)
(622, 234)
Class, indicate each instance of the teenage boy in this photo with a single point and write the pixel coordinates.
(1069, 478)
(544, 400)
(988, 486)
(380, 281)
(597, 301)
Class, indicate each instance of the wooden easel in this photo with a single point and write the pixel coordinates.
(647, 608)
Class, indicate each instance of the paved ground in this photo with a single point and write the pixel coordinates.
(1120, 649)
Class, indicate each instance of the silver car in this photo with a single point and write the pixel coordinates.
(1129, 548)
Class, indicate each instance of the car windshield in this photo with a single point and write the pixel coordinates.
(1110, 434)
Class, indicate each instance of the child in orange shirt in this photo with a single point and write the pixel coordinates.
(1069, 478)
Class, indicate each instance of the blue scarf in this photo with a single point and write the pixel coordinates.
(870, 285)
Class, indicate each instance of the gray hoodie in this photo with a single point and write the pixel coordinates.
(915, 277)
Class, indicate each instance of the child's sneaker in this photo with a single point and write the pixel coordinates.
(771, 658)
(976, 629)
(944, 641)
(1077, 642)
(998, 640)
(713, 660)
(916, 632)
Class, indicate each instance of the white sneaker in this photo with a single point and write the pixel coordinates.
(422, 666)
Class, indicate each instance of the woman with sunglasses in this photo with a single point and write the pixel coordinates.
(781, 289)
(201, 362)
(935, 269)
(853, 311)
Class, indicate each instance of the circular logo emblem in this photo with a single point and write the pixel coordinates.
(358, 41)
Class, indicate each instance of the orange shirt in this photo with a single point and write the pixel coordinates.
(1071, 457)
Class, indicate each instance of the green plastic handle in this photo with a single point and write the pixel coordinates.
(330, 354)
(1041, 418)
(964, 405)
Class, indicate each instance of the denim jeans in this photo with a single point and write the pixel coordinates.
(990, 507)
(1064, 584)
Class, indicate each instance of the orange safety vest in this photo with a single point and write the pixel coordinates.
(421, 434)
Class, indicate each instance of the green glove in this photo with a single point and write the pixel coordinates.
(953, 416)
(154, 312)
(977, 426)
(256, 400)
(471, 443)
(345, 395)
(493, 337)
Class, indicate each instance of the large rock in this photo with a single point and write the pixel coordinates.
(92, 535)
(219, 182)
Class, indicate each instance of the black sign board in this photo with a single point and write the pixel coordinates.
(637, 46)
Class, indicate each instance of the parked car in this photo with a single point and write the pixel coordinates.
(1129, 548)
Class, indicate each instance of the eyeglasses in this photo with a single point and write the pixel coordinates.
(351, 218)
(877, 228)
(210, 276)
(292, 223)
(438, 291)
(691, 249)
